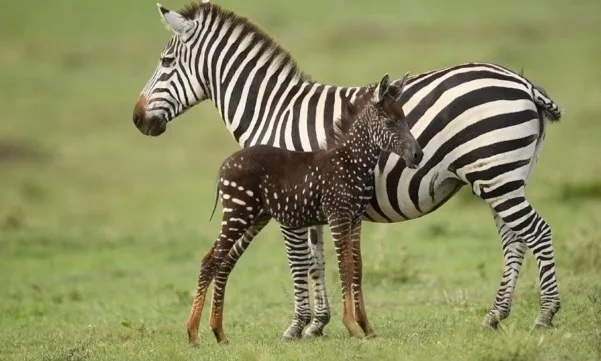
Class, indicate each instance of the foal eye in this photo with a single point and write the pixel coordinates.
(167, 61)
(390, 122)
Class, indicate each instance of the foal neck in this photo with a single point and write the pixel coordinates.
(359, 146)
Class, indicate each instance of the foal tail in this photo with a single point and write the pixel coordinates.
(215, 202)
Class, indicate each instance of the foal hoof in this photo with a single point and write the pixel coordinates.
(194, 344)
(371, 336)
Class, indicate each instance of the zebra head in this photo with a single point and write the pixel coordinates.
(389, 129)
(176, 84)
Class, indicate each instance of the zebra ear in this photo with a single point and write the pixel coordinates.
(382, 88)
(176, 23)
(401, 87)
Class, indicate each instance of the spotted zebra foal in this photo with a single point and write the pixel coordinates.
(302, 189)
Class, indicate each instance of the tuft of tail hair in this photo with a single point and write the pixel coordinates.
(546, 106)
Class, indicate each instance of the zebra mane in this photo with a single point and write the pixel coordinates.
(339, 130)
(194, 10)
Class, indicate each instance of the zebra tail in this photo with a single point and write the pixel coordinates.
(546, 105)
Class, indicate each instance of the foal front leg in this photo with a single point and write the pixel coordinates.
(340, 227)
(360, 313)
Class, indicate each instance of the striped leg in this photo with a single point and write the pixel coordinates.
(210, 262)
(513, 254)
(226, 267)
(519, 216)
(321, 307)
(297, 251)
(340, 227)
(360, 313)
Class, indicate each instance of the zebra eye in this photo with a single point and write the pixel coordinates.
(167, 61)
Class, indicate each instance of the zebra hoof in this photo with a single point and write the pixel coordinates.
(538, 325)
(491, 322)
(291, 336)
(286, 338)
(312, 333)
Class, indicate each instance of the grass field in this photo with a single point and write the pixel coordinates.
(102, 229)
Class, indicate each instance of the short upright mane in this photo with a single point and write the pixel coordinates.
(193, 10)
(339, 132)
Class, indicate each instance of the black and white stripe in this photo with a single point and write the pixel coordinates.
(478, 124)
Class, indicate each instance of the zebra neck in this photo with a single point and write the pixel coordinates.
(276, 108)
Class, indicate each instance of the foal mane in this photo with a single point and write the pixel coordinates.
(339, 130)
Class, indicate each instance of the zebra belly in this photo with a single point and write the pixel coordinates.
(415, 196)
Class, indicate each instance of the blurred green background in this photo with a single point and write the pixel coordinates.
(102, 228)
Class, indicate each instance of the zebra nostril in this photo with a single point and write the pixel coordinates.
(418, 156)
(137, 119)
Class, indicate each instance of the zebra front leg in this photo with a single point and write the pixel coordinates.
(210, 262)
(225, 269)
(340, 227)
(360, 312)
(321, 316)
(297, 251)
(513, 254)
(529, 226)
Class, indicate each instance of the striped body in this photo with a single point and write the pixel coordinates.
(478, 124)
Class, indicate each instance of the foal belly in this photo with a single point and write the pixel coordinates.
(295, 214)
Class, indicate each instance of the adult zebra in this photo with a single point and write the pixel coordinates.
(479, 124)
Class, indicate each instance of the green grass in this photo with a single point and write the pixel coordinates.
(102, 229)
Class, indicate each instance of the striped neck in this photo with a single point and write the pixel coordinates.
(259, 91)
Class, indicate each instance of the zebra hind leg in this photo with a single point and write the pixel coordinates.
(519, 216)
(513, 254)
(321, 315)
(297, 251)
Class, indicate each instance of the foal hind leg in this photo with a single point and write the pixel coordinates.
(509, 203)
(226, 267)
(297, 251)
(209, 265)
(321, 316)
(513, 254)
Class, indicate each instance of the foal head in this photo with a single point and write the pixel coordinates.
(386, 122)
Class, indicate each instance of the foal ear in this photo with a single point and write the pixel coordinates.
(382, 88)
(401, 87)
(175, 21)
